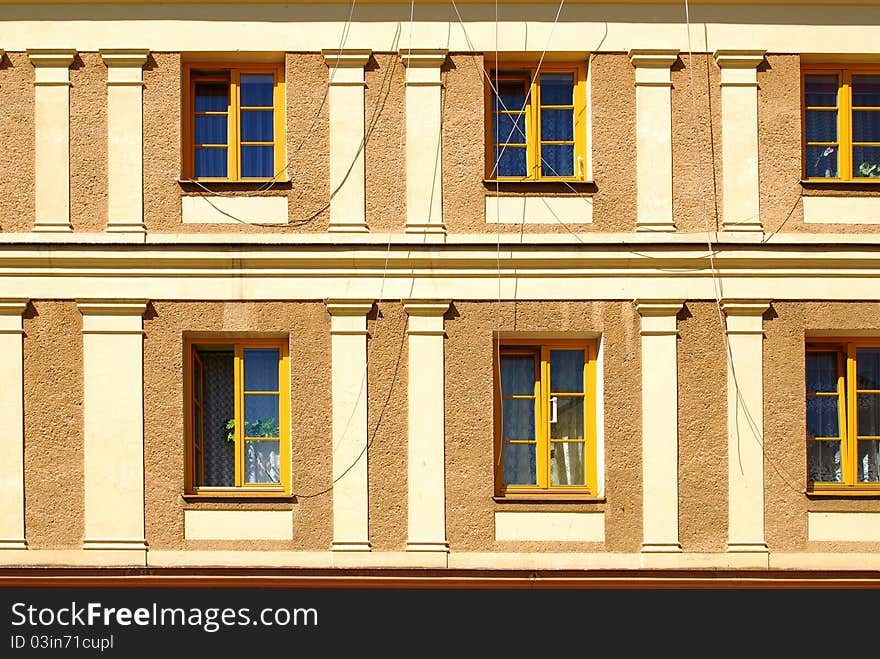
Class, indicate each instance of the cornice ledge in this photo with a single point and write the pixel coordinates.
(349, 58)
(739, 59)
(423, 57)
(735, 307)
(338, 307)
(658, 307)
(426, 307)
(124, 57)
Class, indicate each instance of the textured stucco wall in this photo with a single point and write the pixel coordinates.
(162, 142)
(696, 143)
(786, 505)
(385, 150)
(88, 143)
(16, 142)
(470, 507)
(387, 427)
(702, 429)
(53, 427)
(309, 334)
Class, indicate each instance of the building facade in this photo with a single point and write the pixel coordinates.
(570, 290)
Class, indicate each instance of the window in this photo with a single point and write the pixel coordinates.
(234, 123)
(545, 419)
(843, 415)
(237, 423)
(841, 124)
(536, 123)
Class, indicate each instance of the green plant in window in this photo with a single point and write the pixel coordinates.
(267, 427)
(871, 169)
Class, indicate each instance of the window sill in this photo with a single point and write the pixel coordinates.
(846, 493)
(548, 498)
(220, 185)
(835, 182)
(544, 185)
(238, 496)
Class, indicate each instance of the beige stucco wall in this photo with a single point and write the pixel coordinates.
(162, 142)
(696, 143)
(786, 505)
(16, 142)
(88, 143)
(387, 347)
(309, 330)
(470, 507)
(53, 426)
(702, 429)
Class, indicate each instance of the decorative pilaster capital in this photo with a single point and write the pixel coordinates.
(125, 65)
(52, 66)
(739, 68)
(745, 316)
(653, 66)
(423, 65)
(112, 316)
(426, 316)
(13, 306)
(338, 307)
(346, 58)
(659, 317)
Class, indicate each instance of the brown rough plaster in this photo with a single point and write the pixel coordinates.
(53, 428)
(696, 143)
(785, 504)
(702, 430)
(162, 165)
(16, 143)
(470, 507)
(309, 330)
(385, 132)
(614, 143)
(308, 142)
(88, 143)
(387, 424)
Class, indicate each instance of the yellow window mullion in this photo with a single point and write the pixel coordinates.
(590, 444)
(234, 139)
(278, 114)
(844, 103)
(533, 130)
(848, 449)
(238, 371)
(542, 441)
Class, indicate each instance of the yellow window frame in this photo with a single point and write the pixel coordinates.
(542, 395)
(231, 74)
(194, 456)
(847, 392)
(519, 70)
(844, 144)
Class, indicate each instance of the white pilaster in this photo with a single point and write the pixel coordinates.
(125, 139)
(739, 138)
(113, 423)
(347, 174)
(351, 512)
(424, 159)
(12, 534)
(426, 472)
(52, 138)
(745, 427)
(654, 138)
(659, 425)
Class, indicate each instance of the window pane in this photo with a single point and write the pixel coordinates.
(557, 88)
(257, 89)
(567, 371)
(567, 463)
(211, 163)
(517, 375)
(197, 426)
(257, 125)
(823, 462)
(569, 418)
(868, 415)
(257, 161)
(211, 129)
(557, 125)
(261, 415)
(821, 162)
(866, 91)
(868, 368)
(510, 128)
(866, 161)
(821, 372)
(821, 125)
(869, 461)
(212, 97)
(518, 463)
(518, 418)
(820, 90)
(219, 411)
(262, 462)
(510, 161)
(261, 369)
(511, 95)
(866, 126)
(557, 159)
(822, 416)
